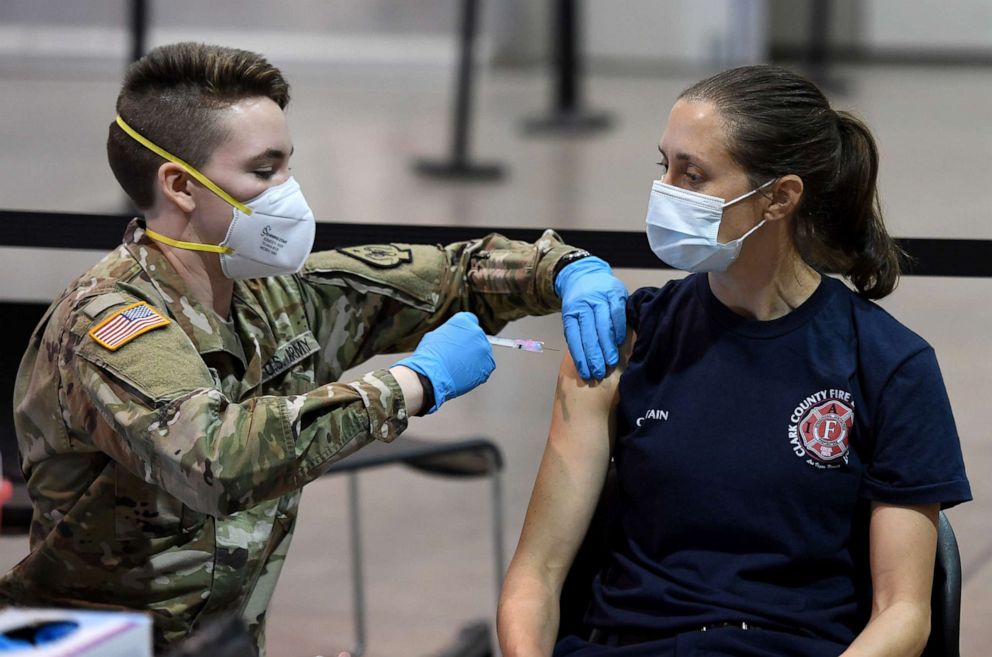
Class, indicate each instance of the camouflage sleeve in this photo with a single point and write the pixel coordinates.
(153, 406)
(397, 292)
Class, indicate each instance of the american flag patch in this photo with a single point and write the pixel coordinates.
(127, 324)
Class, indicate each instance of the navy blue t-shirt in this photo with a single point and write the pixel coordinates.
(748, 452)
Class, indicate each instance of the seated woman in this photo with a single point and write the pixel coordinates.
(782, 444)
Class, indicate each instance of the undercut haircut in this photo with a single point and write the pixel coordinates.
(172, 96)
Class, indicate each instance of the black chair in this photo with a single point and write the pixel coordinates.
(466, 458)
(945, 602)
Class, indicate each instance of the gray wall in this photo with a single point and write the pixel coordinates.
(378, 16)
(513, 31)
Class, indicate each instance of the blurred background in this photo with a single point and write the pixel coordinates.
(562, 107)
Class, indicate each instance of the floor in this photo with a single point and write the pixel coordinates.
(358, 131)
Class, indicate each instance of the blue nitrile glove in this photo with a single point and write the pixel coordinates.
(9, 644)
(455, 356)
(51, 632)
(594, 312)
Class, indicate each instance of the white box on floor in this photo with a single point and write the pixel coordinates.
(99, 633)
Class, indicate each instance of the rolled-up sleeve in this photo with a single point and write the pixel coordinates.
(916, 456)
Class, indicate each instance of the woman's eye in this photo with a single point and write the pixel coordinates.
(694, 178)
(664, 166)
(264, 174)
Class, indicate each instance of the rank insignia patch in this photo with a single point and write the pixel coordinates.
(127, 324)
(383, 256)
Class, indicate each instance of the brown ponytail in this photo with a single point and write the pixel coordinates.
(779, 123)
(873, 255)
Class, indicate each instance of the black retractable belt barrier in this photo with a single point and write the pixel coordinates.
(622, 249)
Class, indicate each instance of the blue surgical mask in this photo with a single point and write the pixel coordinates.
(682, 228)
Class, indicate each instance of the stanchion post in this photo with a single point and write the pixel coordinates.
(138, 20)
(567, 116)
(458, 165)
(816, 58)
(139, 28)
(357, 570)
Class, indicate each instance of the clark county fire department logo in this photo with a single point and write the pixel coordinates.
(820, 428)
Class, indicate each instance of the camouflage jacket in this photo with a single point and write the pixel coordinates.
(166, 474)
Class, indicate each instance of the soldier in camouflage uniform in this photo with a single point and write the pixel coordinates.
(165, 467)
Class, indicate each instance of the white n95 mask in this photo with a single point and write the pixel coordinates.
(683, 225)
(270, 235)
(274, 239)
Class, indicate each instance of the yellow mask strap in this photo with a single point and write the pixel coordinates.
(192, 246)
(161, 152)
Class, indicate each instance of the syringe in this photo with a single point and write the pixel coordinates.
(535, 346)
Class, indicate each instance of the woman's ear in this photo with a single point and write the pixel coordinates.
(785, 194)
(175, 186)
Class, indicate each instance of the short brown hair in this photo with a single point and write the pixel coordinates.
(169, 96)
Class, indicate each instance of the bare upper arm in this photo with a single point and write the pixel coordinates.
(572, 471)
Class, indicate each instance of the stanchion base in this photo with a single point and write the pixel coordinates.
(455, 170)
(568, 123)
